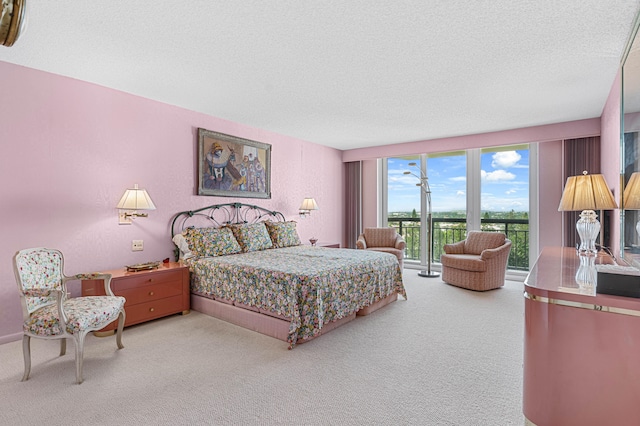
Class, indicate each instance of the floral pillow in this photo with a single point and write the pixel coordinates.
(205, 242)
(283, 234)
(252, 236)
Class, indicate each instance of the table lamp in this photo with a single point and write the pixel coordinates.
(587, 193)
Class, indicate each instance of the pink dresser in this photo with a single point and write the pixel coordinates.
(581, 349)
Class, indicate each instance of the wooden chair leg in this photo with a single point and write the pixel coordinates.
(79, 356)
(26, 351)
(121, 319)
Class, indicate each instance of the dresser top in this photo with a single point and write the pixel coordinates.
(557, 273)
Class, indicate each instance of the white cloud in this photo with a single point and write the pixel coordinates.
(505, 159)
(497, 176)
(458, 179)
(460, 193)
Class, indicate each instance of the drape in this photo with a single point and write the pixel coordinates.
(353, 202)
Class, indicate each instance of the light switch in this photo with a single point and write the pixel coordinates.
(137, 245)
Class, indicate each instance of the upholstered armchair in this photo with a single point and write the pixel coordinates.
(49, 313)
(477, 263)
(383, 239)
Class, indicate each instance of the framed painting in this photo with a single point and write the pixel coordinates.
(229, 166)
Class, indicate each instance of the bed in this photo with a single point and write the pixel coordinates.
(248, 267)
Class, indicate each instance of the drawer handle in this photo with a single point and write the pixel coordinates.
(150, 279)
(151, 309)
(150, 293)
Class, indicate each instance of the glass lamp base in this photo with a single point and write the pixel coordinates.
(588, 229)
(586, 275)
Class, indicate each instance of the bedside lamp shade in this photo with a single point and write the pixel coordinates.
(308, 204)
(587, 193)
(133, 200)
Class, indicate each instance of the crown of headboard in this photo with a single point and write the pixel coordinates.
(222, 214)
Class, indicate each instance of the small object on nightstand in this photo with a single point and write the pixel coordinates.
(166, 260)
(313, 241)
(143, 266)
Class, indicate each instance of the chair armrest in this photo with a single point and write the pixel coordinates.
(454, 248)
(361, 243)
(95, 276)
(60, 296)
(400, 244)
(495, 252)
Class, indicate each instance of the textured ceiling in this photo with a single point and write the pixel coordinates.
(345, 74)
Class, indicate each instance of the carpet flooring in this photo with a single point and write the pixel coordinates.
(445, 356)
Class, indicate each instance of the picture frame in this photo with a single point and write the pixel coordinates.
(229, 166)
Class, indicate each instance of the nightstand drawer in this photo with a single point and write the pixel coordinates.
(148, 293)
(135, 281)
(151, 310)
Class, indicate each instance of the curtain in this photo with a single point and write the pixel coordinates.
(353, 202)
(579, 155)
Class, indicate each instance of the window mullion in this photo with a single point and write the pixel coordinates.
(474, 208)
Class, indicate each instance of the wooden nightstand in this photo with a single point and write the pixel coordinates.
(150, 294)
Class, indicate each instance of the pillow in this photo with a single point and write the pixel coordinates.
(283, 234)
(205, 242)
(183, 246)
(252, 236)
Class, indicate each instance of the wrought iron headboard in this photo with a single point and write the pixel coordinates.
(222, 214)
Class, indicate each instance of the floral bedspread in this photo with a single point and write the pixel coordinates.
(309, 285)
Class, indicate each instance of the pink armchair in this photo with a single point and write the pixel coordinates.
(477, 263)
(383, 239)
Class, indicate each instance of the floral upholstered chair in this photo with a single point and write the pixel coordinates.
(477, 263)
(383, 239)
(49, 314)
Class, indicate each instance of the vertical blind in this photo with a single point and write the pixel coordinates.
(353, 202)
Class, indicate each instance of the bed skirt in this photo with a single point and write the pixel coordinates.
(267, 324)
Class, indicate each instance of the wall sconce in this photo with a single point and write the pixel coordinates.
(133, 200)
(308, 204)
(587, 193)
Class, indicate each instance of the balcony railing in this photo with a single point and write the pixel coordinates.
(451, 230)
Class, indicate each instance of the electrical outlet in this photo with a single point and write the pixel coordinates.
(137, 245)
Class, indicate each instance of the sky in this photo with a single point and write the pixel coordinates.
(504, 182)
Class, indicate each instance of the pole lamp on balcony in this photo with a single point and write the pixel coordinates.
(424, 185)
(587, 193)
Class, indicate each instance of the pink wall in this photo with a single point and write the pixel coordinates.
(550, 184)
(370, 193)
(70, 149)
(610, 147)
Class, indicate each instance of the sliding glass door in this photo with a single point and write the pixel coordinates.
(484, 189)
